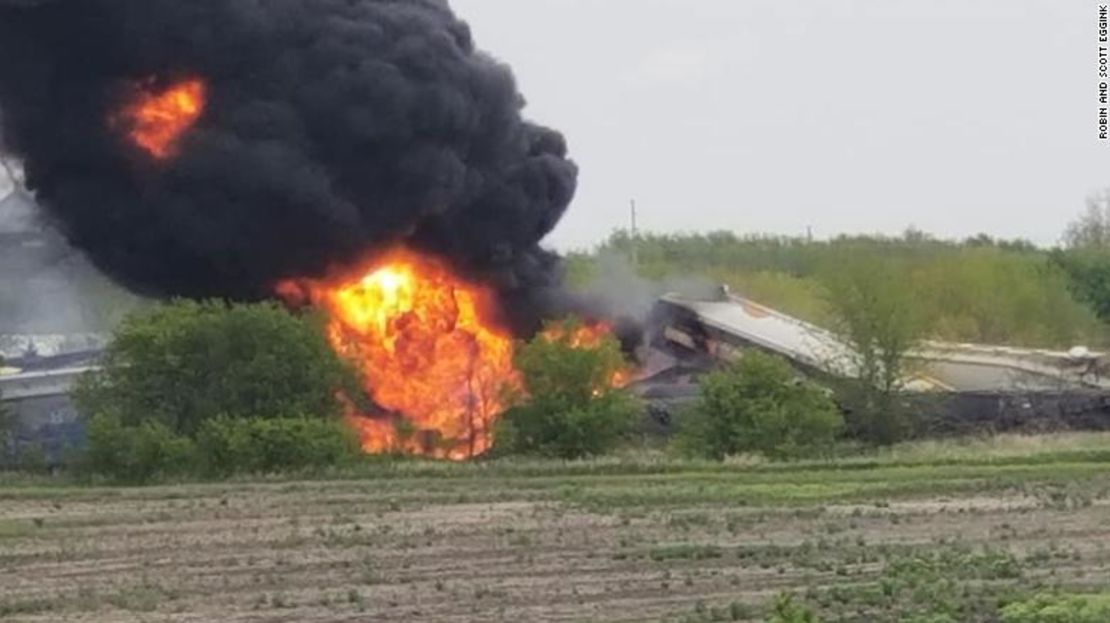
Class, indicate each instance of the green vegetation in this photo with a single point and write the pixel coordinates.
(1051, 608)
(260, 446)
(223, 447)
(759, 405)
(785, 610)
(874, 310)
(1089, 269)
(1004, 529)
(6, 425)
(183, 363)
(979, 290)
(931, 586)
(770, 517)
(138, 453)
(211, 389)
(1091, 230)
(569, 407)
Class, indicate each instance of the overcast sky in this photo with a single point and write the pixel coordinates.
(954, 116)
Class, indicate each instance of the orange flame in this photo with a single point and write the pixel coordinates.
(589, 336)
(428, 351)
(156, 121)
(581, 336)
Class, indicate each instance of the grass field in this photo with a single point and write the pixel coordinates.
(928, 532)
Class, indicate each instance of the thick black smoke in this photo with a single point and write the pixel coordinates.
(333, 128)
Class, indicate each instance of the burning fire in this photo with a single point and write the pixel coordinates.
(155, 121)
(588, 336)
(428, 351)
(581, 336)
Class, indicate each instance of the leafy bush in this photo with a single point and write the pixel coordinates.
(759, 405)
(136, 454)
(224, 446)
(181, 363)
(228, 446)
(1059, 609)
(570, 408)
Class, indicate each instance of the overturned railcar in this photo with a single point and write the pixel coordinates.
(960, 388)
(41, 418)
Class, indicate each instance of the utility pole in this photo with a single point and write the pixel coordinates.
(635, 237)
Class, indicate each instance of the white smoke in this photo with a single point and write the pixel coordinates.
(11, 175)
(51, 299)
(623, 293)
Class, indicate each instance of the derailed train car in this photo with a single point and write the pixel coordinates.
(41, 418)
(958, 388)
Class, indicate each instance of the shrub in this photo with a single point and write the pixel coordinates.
(223, 446)
(256, 445)
(136, 454)
(759, 405)
(184, 362)
(570, 407)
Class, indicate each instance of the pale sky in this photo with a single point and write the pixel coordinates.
(954, 116)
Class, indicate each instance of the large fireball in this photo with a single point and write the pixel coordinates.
(155, 121)
(428, 349)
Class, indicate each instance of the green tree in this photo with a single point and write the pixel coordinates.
(1089, 271)
(185, 362)
(569, 407)
(759, 405)
(1086, 255)
(993, 296)
(1092, 228)
(875, 311)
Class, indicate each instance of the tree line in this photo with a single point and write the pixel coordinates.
(979, 290)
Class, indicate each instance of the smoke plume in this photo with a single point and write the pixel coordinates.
(333, 128)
